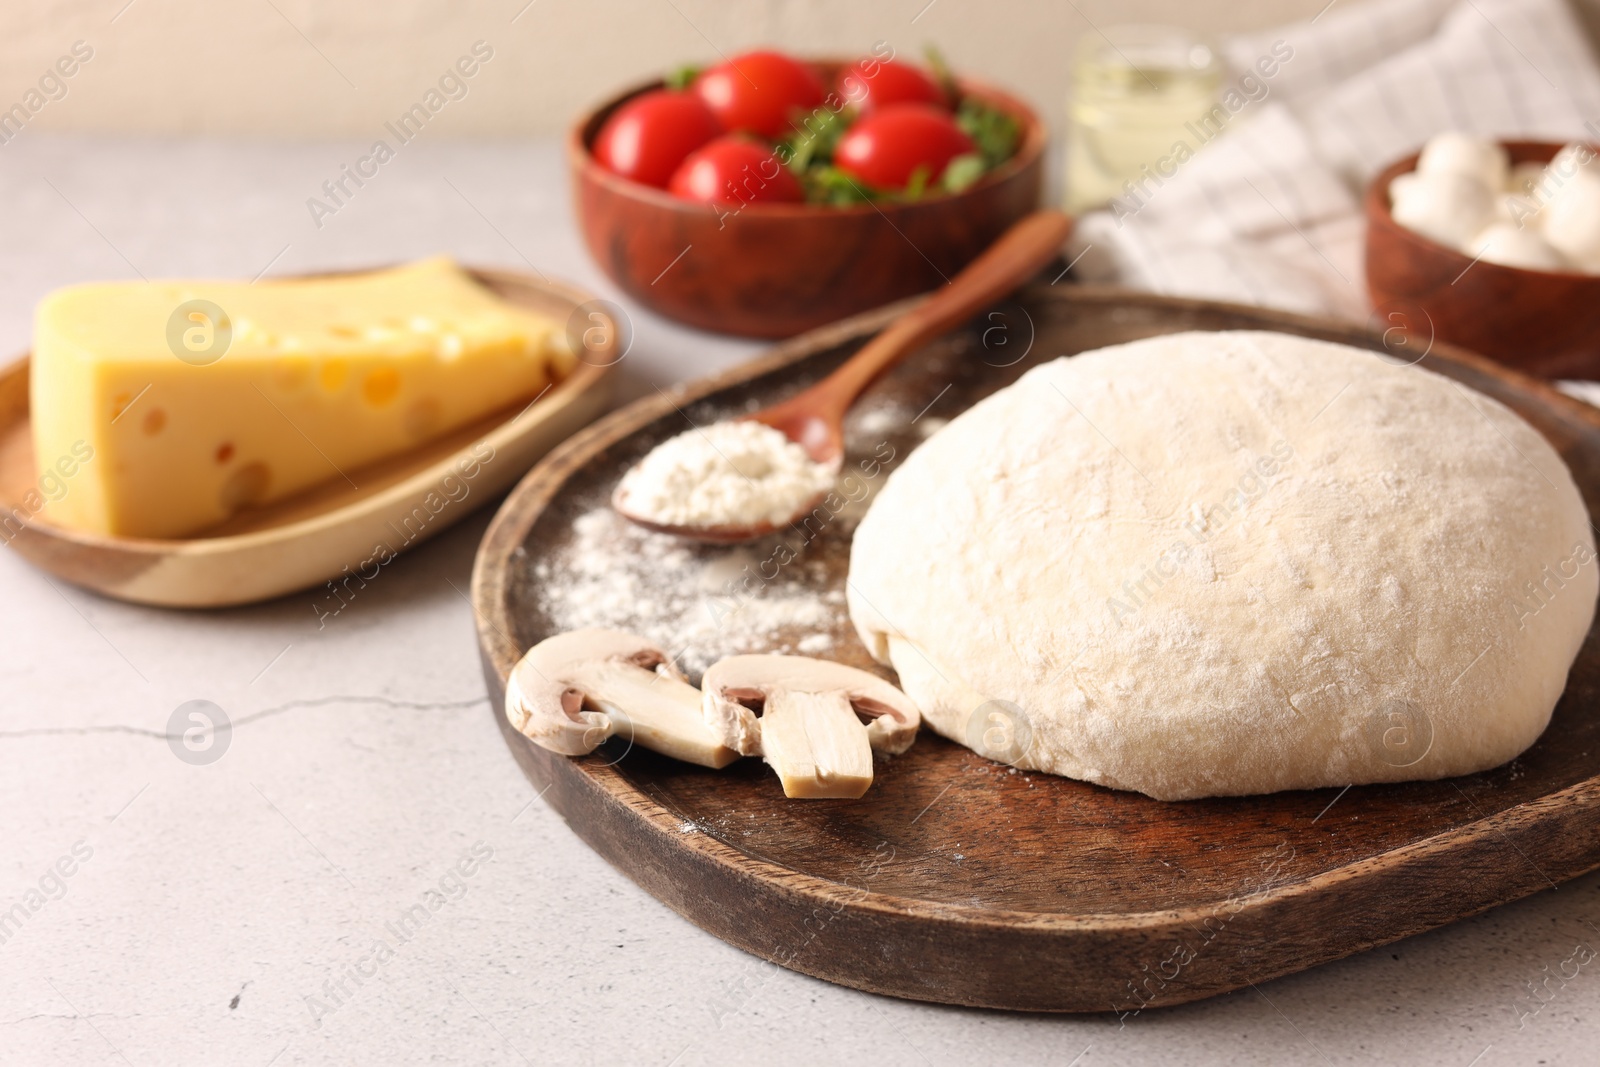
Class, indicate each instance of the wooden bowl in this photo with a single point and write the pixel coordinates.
(1542, 322)
(774, 270)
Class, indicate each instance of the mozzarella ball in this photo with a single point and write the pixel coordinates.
(1519, 211)
(1524, 178)
(1574, 158)
(1468, 156)
(1571, 220)
(1447, 208)
(1509, 246)
(1399, 185)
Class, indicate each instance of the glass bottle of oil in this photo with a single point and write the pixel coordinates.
(1135, 89)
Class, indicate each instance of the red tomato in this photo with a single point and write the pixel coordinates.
(732, 170)
(758, 92)
(649, 136)
(874, 84)
(886, 148)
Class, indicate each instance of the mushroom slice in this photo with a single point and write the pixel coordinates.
(809, 729)
(570, 692)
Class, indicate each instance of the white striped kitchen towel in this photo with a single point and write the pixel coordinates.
(1269, 211)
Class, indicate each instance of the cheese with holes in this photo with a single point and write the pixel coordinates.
(200, 399)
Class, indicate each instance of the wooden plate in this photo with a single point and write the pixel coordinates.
(313, 536)
(956, 879)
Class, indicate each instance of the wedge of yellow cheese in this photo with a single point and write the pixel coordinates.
(202, 398)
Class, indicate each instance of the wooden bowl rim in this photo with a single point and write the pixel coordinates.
(583, 377)
(1030, 148)
(511, 524)
(1379, 212)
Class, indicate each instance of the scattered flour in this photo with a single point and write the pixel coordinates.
(733, 473)
(698, 603)
(879, 421)
(814, 644)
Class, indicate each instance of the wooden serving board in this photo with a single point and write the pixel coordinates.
(956, 879)
(314, 535)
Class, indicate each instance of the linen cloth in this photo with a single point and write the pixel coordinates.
(1270, 211)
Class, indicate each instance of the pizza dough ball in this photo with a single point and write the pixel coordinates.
(1230, 563)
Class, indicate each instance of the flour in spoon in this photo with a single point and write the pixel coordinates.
(737, 473)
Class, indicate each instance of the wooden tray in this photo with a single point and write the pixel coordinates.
(956, 879)
(310, 537)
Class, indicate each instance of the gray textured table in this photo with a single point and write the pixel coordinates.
(231, 913)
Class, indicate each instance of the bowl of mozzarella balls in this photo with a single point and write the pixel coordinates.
(1494, 246)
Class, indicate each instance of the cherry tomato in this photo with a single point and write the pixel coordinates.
(886, 148)
(650, 135)
(733, 170)
(759, 92)
(874, 84)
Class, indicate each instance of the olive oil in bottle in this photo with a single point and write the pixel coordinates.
(1137, 91)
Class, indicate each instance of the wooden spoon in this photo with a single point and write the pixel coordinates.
(814, 418)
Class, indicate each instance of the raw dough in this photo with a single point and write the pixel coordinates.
(1230, 563)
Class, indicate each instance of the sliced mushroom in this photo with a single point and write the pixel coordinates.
(572, 691)
(809, 729)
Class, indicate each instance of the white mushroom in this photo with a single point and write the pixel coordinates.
(809, 727)
(570, 692)
(1512, 246)
(1462, 154)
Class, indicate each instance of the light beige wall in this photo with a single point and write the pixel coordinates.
(309, 68)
